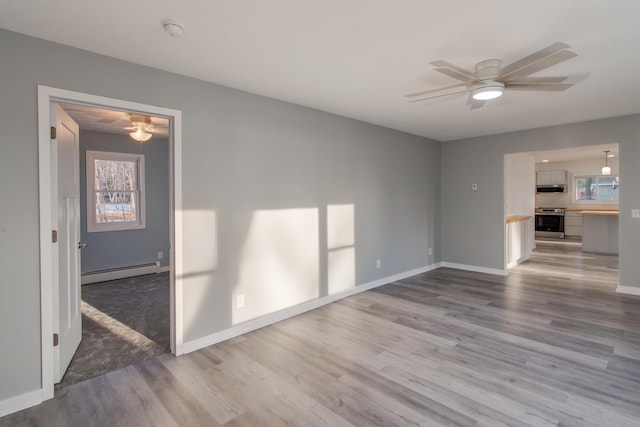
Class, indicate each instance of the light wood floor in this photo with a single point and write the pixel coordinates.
(550, 345)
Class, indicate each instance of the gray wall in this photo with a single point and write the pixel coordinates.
(472, 222)
(114, 249)
(241, 153)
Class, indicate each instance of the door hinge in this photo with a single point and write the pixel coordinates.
(54, 236)
(53, 132)
(56, 339)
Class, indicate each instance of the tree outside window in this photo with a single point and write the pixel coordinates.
(115, 191)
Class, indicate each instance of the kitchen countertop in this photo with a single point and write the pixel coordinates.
(517, 218)
(572, 209)
(598, 212)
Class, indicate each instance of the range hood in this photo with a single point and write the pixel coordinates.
(551, 181)
(556, 188)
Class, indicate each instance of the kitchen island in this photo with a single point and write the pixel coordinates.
(600, 231)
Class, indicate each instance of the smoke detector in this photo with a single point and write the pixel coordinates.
(173, 28)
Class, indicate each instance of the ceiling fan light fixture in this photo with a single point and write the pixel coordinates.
(140, 135)
(141, 126)
(489, 91)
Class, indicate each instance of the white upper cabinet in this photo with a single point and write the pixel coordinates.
(551, 177)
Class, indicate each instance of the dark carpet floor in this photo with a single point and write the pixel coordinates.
(124, 322)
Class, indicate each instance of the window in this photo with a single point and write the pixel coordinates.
(597, 188)
(115, 191)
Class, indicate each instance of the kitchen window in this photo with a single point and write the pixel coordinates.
(115, 191)
(597, 188)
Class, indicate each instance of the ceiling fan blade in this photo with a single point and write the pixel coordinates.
(538, 80)
(477, 104)
(456, 75)
(543, 87)
(147, 128)
(474, 103)
(534, 67)
(454, 71)
(440, 96)
(534, 57)
(426, 92)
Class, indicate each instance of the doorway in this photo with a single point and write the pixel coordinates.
(124, 230)
(563, 188)
(47, 98)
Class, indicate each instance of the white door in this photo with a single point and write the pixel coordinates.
(65, 183)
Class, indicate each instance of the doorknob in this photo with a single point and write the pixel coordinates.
(82, 245)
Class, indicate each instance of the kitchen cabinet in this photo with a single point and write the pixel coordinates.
(572, 223)
(551, 177)
(600, 231)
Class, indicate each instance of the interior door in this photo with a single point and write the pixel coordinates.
(65, 184)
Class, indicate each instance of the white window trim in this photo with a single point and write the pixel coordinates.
(590, 202)
(92, 225)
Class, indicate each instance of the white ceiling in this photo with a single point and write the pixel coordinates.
(359, 58)
(111, 121)
(579, 153)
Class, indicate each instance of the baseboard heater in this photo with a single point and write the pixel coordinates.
(120, 273)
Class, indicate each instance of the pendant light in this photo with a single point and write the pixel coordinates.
(606, 170)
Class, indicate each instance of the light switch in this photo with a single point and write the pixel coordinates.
(474, 187)
(635, 213)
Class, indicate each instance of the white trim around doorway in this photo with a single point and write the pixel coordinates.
(47, 95)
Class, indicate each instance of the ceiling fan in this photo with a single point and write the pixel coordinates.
(490, 80)
(141, 127)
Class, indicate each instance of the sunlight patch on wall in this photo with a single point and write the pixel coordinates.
(200, 263)
(278, 264)
(341, 250)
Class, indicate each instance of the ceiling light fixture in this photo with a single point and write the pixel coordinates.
(140, 135)
(141, 126)
(545, 161)
(489, 90)
(173, 28)
(606, 170)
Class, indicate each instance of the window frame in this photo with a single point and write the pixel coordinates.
(596, 201)
(90, 177)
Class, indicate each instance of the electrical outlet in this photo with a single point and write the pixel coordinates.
(430, 251)
(378, 264)
(240, 301)
(160, 254)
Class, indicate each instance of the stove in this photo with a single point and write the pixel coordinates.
(550, 222)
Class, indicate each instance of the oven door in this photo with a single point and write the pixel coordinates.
(551, 223)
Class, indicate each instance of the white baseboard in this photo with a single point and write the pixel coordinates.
(18, 403)
(278, 316)
(474, 268)
(628, 290)
(121, 273)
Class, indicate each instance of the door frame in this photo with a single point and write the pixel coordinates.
(47, 95)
